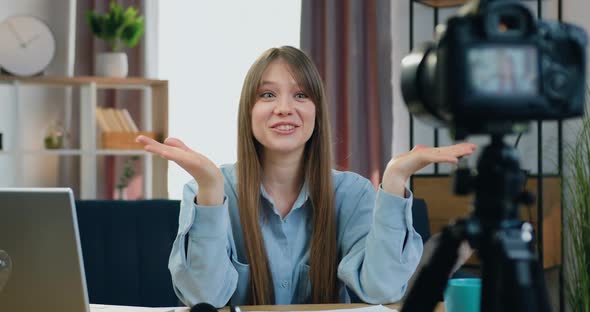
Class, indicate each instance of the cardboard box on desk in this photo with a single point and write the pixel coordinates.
(123, 140)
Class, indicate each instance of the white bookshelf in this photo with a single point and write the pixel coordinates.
(154, 117)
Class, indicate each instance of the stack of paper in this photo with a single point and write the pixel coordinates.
(115, 308)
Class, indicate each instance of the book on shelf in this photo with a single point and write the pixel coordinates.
(118, 130)
(129, 120)
(101, 120)
(121, 119)
(112, 113)
(115, 120)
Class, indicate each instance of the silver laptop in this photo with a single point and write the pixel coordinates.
(39, 232)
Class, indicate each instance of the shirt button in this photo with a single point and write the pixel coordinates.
(284, 284)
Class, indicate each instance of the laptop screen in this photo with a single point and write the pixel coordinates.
(39, 235)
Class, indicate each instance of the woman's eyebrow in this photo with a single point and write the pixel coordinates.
(266, 82)
(293, 85)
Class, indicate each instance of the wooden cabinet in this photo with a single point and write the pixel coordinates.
(443, 207)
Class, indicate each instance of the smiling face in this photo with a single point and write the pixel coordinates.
(283, 116)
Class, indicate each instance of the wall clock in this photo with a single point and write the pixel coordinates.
(27, 45)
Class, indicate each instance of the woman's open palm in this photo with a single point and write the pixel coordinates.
(400, 168)
(201, 168)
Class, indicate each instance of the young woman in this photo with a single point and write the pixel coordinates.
(281, 226)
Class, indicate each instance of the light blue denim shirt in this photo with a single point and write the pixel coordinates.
(378, 248)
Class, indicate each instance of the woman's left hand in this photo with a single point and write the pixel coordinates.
(400, 168)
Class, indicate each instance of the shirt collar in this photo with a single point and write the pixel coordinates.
(301, 198)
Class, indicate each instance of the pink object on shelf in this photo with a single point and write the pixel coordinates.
(135, 188)
(133, 191)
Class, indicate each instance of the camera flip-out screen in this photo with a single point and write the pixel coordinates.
(503, 71)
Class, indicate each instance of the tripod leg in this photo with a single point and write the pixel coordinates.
(432, 278)
(512, 274)
(540, 287)
(525, 294)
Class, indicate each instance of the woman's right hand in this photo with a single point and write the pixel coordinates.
(204, 171)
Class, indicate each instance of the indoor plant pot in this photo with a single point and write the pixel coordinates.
(111, 64)
(118, 27)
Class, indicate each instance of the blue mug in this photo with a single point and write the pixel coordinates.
(463, 295)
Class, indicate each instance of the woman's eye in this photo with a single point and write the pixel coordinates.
(267, 95)
(301, 96)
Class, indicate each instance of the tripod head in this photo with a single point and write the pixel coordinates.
(498, 185)
(511, 277)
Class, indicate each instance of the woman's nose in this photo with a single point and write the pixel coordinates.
(284, 106)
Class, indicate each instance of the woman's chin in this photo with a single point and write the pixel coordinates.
(285, 149)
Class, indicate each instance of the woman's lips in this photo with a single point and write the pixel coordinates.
(284, 128)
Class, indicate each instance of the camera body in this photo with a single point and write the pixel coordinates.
(498, 68)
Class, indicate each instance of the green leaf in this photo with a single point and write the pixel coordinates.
(128, 172)
(92, 21)
(130, 14)
(131, 34)
(117, 25)
(577, 229)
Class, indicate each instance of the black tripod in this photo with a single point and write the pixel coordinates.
(512, 279)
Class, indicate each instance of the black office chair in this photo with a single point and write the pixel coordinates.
(420, 218)
(422, 226)
(126, 245)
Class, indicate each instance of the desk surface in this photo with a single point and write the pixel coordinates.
(315, 307)
(308, 307)
(293, 307)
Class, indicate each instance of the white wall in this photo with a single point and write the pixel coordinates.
(38, 105)
(576, 11)
(205, 50)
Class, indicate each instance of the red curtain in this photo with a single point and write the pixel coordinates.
(350, 42)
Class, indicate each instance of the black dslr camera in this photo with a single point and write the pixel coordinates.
(494, 68)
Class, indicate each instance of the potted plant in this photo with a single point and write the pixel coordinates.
(127, 174)
(577, 225)
(117, 27)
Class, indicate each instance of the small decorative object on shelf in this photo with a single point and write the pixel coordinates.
(116, 27)
(126, 176)
(55, 136)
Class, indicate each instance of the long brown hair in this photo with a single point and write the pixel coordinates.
(317, 169)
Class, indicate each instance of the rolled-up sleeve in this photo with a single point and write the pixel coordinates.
(380, 248)
(199, 261)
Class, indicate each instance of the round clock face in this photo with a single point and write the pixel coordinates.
(27, 45)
